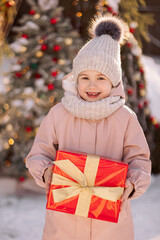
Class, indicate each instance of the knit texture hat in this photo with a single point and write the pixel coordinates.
(102, 53)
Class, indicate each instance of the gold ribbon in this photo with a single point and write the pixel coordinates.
(84, 185)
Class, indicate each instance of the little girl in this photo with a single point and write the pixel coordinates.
(93, 118)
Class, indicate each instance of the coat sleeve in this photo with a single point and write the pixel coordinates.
(136, 153)
(43, 151)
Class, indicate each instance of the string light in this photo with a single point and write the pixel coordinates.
(23, 71)
(39, 54)
(36, 16)
(78, 14)
(79, 7)
(61, 61)
(23, 49)
(147, 111)
(142, 92)
(11, 141)
(36, 130)
(11, 3)
(74, 3)
(51, 99)
(97, 7)
(68, 41)
(100, 6)
(101, 3)
(40, 41)
(154, 121)
(7, 163)
(6, 106)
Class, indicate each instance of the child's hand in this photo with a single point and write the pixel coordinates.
(48, 178)
(127, 190)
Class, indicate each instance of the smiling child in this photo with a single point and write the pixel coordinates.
(92, 118)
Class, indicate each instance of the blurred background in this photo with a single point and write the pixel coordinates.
(38, 41)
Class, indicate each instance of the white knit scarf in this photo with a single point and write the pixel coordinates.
(88, 110)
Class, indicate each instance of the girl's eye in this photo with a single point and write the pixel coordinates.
(101, 78)
(85, 78)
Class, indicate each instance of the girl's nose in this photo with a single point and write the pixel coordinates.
(92, 83)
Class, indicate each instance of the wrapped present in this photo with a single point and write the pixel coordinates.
(87, 185)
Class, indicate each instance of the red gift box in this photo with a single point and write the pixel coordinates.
(87, 185)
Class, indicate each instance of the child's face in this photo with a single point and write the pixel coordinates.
(93, 85)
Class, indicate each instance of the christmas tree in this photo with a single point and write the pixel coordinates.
(44, 46)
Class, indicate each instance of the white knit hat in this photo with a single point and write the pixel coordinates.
(102, 53)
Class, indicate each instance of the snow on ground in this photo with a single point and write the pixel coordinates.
(146, 212)
(22, 211)
(152, 77)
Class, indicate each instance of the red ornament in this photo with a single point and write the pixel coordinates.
(141, 70)
(8, 4)
(114, 13)
(57, 48)
(146, 103)
(50, 86)
(156, 125)
(53, 20)
(110, 9)
(37, 75)
(32, 12)
(24, 36)
(130, 91)
(55, 60)
(132, 30)
(28, 129)
(140, 105)
(129, 45)
(18, 74)
(152, 119)
(43, 47)
(21, 179)
(54, 74)
(141, 85)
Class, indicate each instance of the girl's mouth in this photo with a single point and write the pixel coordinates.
(93, 94)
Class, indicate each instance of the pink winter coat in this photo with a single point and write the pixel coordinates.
(119, 137)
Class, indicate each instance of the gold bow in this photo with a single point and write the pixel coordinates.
(84, 185)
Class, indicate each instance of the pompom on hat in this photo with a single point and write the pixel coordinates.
(102, 52)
